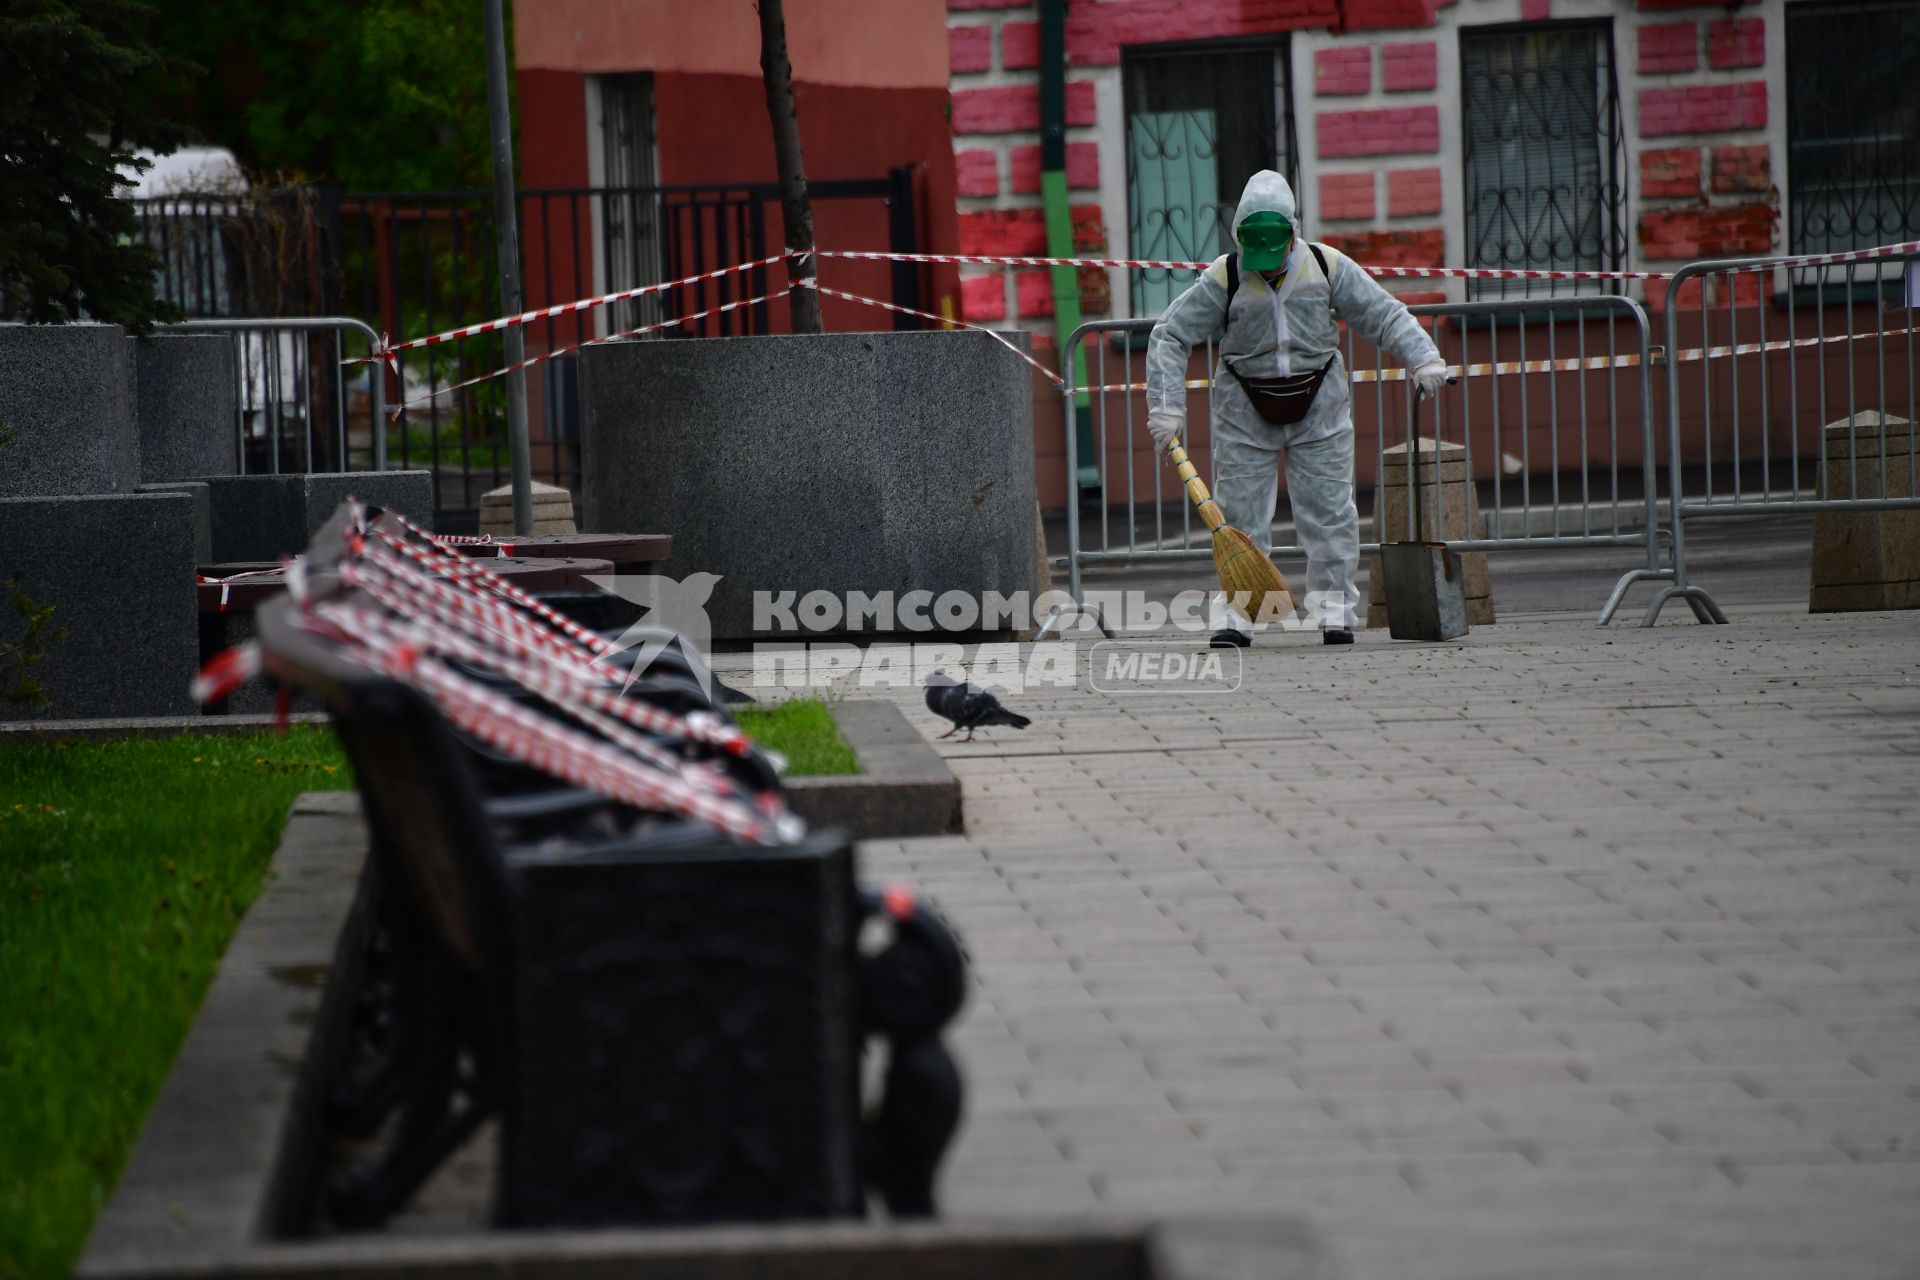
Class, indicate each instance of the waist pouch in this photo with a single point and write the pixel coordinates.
(1282, 402)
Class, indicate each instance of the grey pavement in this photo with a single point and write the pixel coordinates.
(1554, 951)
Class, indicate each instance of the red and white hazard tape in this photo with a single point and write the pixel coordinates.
(387, 351)
(1394, 273)
(1902, 249)
(1569, 364)
(447, 563)
(1047, 373)
(557, 352)
(453, 591)
(564, 309)
(226, 584)
(500, 550)
(580, 691)
(540, 741)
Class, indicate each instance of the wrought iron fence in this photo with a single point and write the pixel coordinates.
(412, 263)
(1543, 150)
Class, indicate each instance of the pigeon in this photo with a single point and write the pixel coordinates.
(968, 706)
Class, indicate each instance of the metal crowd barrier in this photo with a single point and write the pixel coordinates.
(1767, 356)
(294, 399)
(1554, 407)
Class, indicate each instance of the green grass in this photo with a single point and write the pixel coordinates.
(124, 869)
(805, 733)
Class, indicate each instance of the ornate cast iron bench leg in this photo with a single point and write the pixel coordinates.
(438, 1100)
(910, 991)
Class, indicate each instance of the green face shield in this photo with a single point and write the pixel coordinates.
(1265, 238)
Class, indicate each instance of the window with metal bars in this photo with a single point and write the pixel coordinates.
(1543, 144)
(629, 217)
(1853, 125)
(1201, 120)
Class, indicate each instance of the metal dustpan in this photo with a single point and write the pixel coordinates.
(1426, 597)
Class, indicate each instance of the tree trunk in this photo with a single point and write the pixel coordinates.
(796, 211)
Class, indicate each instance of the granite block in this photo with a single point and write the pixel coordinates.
(840, 462)
(119, 571)
(257, 517)
(408, 492)
(66, 406)
(184, 404)
(552, 510)
(1456, 513)
(266, 517)
(1866, 560)
(202, 513)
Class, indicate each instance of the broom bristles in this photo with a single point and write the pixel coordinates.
(1255, 587)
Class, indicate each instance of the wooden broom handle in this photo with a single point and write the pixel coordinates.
(1196, 487)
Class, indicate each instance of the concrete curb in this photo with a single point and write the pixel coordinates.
(904, 787)
(24, 732)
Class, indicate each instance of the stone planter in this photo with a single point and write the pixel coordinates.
(870, 462)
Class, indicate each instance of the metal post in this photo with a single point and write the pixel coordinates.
(506, 222)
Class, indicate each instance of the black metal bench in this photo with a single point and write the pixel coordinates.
(668, 1025)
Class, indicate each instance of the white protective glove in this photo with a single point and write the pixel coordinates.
(1430, 377)
(1163, 426)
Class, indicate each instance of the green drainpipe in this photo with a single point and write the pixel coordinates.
(1053, 196)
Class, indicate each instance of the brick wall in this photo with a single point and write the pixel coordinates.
(995, 50)
(1376, 118)
(994, 46)
(1370, 136)
(1701, 114)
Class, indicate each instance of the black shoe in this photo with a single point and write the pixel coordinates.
(1228, 638)
(1338, 635)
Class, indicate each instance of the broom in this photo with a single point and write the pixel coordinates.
(1253, 583)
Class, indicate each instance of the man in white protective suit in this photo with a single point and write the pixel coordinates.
(1281, 386)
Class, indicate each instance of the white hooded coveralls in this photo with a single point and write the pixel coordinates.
(1276, 333)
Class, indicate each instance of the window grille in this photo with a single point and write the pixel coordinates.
(1200, 121)
(1543, 152)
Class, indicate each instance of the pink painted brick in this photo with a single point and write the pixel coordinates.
(1098, 29)
(1083, 167)
(1342, 71)
(1413, 191)
(1015, 108)
(1383, 15)
(1535, 10)
(1703, 108)
(1671, 172)
(977, 173)
(1080, 110)
(1409, 66)
(1741, 42)
(1346, 196)
(1019, 46)
(1033, 293)
(970, 48)
(983, 297)
(1667, 47)
(1378, 132)
(1019, 232)
(986, 4)
(1742, 169)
